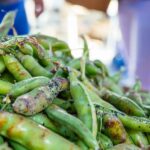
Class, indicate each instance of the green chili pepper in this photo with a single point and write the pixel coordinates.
(35, 69)
(42, 119)
(15, 68)
(44, 42)
(96, 100)
(39, 51)
(112, 86)
(90, 68)
(122, 103)
(83, 104)
(38, 99)
(114, 129)
(138, 138)
(101, 65)
(27, 85)
(63, 104)
(25, 48)
(82, 145)
(135, 123)
(5, 87)
(104, 142)
(29, 134)
(74, 63)
(73, 123)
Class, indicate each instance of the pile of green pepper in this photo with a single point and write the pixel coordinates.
(52, 101)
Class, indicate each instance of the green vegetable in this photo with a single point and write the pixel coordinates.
(135, 123)
(138, 138)
(112, 86)
(44, 120)
(5, 87)
(101, 66)
(104, 142)
(57, 114)
(25, 48)
(27, 85)
(122, 103)
(124, 146)
(33, 66)
(90, 68)
(83, 104)
(39, 52)
(114, 129)
(29, 134)
(38, 99)
(96, 100)
(63, 104)
(15, 68)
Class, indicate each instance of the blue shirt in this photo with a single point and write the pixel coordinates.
(21, 23)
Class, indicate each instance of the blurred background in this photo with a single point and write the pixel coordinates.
(67, 21)
(118, 31)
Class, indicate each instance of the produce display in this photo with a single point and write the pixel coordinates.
(52, 101)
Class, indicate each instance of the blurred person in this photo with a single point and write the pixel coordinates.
(21, 24)
(134, 17)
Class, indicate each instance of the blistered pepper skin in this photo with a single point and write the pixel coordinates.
(28, 133)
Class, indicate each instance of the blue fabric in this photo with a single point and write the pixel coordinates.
(21, 23)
